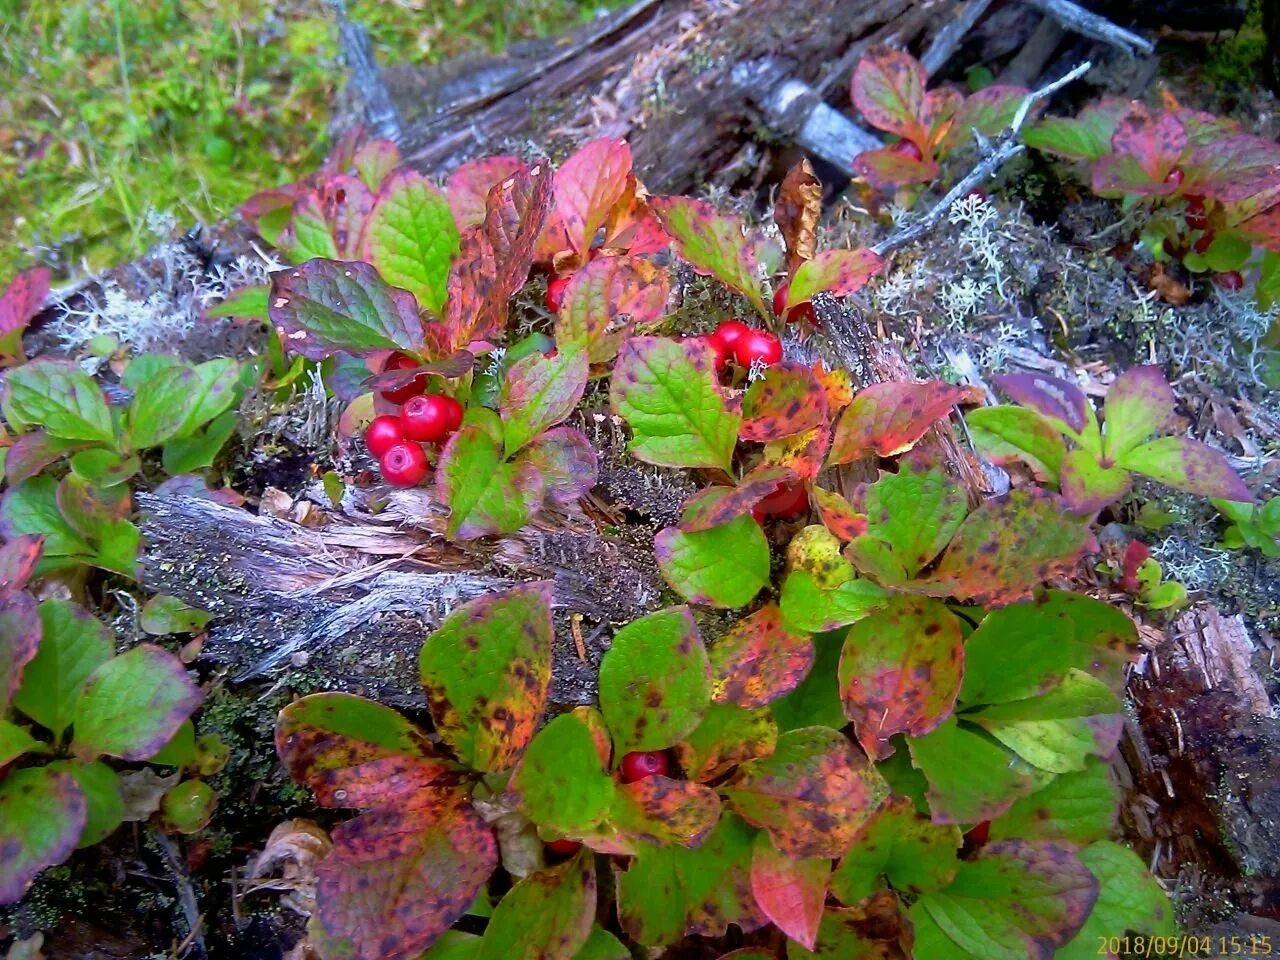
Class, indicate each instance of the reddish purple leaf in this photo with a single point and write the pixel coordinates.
(838, 515)
(787, 400)
(633, 227)
(588, 185)
(759, 660)
(269, 211)
(1235, 169)
(888, 88)
(18, 559)
(468, 186)
(1154, 142)
(19, 641)
(790, 892)
(1056, 399)
(21, 301)
(516, 210)
(32, 452)
(606, 299)
(1138, 404)
(42, 815)
(567, 462)
(329, 220)
(716, 505)
(889, 418)
(887, 167)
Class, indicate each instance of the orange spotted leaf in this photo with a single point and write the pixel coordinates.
(888, 87)
(727, 736)
(662, 810)
(786, 401)
(606, 300)
(759, 660)
(716, 505)
(803, 453)
(889, 418)
(838, 515)
(790, 892)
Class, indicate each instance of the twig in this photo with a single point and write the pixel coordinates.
(948, 38)
(379, 110)
(1077, 18)
(186, 894)
(1007, 148)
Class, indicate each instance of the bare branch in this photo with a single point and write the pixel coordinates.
(1077, 18)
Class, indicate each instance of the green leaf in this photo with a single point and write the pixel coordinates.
(103, 467)
(32, 508)
(538, 392)
(196, 452)
(1079, 807)
(655, 681)
(1087, 485)
(1129, 900)
(970, 776)
(164, 614)
(147, 365)
(547, 914)
(1138, 404)
(132, 705)
(601, 945)
(486, 495)
(42, 814)
(1017, 901)
(915, 854)
(248, 302)
(74, 643)
(411, 238)
(180, 751)
(725, 566)
(487, 670)
(1228, 251)
(839, 938)
(727, 736)
(671, 892)
(816, 701)
(911, 516)
(806, 606)
(1187, 465)
(1268, 289)
(1087, 136)
(812, 794)
(561, 783)
(837, 272)
(179, 400)
(187, 807)
(104, 802)
(329, 306)
(60, 397)
(118, 543)
(900, 671)
(15, 741)
(667, 392)
(1006, 433)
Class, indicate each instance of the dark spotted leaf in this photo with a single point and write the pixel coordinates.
(565, 460)
(888, 89)
(330, 306)
(397, 879)
(18, 559)
(547, 914)
(816, 552)
(787, 400)
(803, 454)
(540, 391)
(719, 245)
(589, 184)
(486, 671)
(661, 810)
(1088, 486)
(837, 272)
(806, 605)
(837, 514)
(903, 845)
(561, 782)
(42, 814)
(467, 188)
(73, 644)
(911, 516)
(1078, 807)
(797, 212)
(970, 776)
(1015, 901)
(1008, 546)
(132, 705)
(515, 212)
(812, 794)
(1006, 433)
(328, 221)
(606, 300)
(725, 566)
(790, 892)
(667, 392)
(58, 396)
(889, 418)
(21, 300)
(1062, 403)
(1146, 146)
(714, 506)
(900, 671)
(655, 681)
(727, 736)
(846, 934)
(485, 493)
(1129, 899)
(1138, 404)
(671, 892)
(1188, 465)
(411, 239)
(759, 660)
(20, 629)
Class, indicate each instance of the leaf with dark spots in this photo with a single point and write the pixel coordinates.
(540, 391)
(970, 776)
(759, 660)
(1063, 403)
(804, 453)
(1190, 466)
(841, 937)
(486, 671)
(797, 212)
(566, 462)
(589, 184)
(329, 220)
(456, 365)
(1138, 404)
(515, 211)
(837, 384)
(1239, 170)
(663, 811)
(330, 306)
(547, 914)
(837, 514)
(397, 879)
(718, 244)
(655, 681)
(1078, 807)
(790, 892)
(486, 493)
(1088, 486)
(476, 304)
(21, 300)
(20, 633)
(725, 566)
(1006, 433)
(561, 782)
(606, 300)
(718, 505)
(671, 892)
(787, 400)
(900, 671)
(1007, 547)
(1146, 146)
(668, 394)
(889, 418)
(1129, 899)
(18, 559)
(888, 88)
(837, 272)
(401, 782)
(812, 794)
(903, 845)
(1015, 900)
(727, 736)
(42, 814)
(467, 188)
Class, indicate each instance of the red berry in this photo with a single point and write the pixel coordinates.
(564, 847)
(426, 418)
(556, 287)
(1196, 217)
(908, 149)
(758, 345)
(404, 465)
(787, 501)
(729, 333)
(453, 411)
(402, 361)
(979, 833)
(1231, 280)
(1201, 245)
(1174, 178)
(637, 766)
(801, 311)
(383, 434)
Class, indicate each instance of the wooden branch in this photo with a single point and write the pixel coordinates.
(380, 112)
(947, 39)
(1082, 21)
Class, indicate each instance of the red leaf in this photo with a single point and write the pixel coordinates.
(838, 515)
(888, 88)
(19, 641)
(467, 188)
(759, 660)
(1235, 169)
(889, 418)
(716, 505)
(790, 892)
(887, 167)
(588, 185)
(21, 301)
(1147, 146)
(802, 453)
(787, 400)
(607, 299)
(567, 462)
(18, 559)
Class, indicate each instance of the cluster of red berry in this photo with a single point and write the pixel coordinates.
(424, 418)
(744, 345)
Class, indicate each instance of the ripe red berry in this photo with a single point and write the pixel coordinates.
(1197, 218)
(564, 847)
(1201, 245)
(787, 502)
(908, 149)
(1174, 178)
(383, 434)
(729, 333)
(404, 465)
(1231, 280)
(637, 766)
(402, 361)
(801, 311)
(757, 345)
(453, 413)
(426, 418)
(556, 287)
